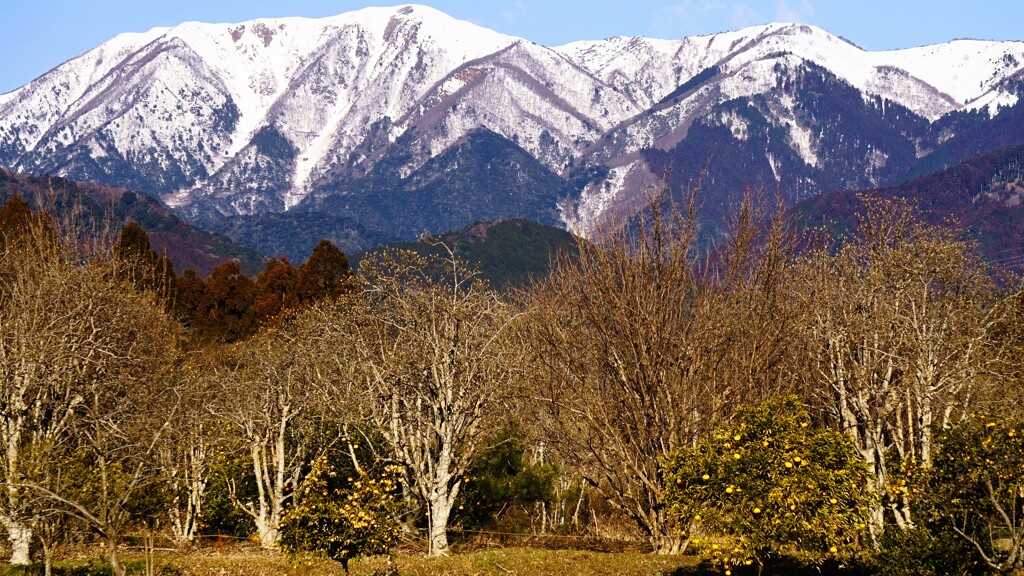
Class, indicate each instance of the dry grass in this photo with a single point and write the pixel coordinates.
(483, 562)
(529, 561)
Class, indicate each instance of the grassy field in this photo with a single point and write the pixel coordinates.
(484, 562)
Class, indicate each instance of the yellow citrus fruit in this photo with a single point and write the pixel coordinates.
(728, 490)
(789, 464)
(833, 550)
(736, 455)
(705, 477)
(757, 510)
(736, 437)
(833, 501)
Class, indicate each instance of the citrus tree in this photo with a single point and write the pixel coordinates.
(976, 488)
(343, 515)
(769, 484)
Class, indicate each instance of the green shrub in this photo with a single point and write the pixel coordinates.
(923, 552)
(220, 516)
(499, 480)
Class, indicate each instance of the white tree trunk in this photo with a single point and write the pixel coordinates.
(267, 530)
(20, 536)
(437, 537)
(267, 516)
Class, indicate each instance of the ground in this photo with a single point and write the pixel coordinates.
(482, 562)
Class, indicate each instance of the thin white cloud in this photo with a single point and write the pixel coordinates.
(707, 16)
(516, 12)
(685, 17)
(690, 9)
(742, 15)
(800, 11)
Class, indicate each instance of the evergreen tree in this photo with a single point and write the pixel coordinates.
(325, 274)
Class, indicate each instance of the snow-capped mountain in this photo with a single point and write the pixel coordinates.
(379, 107)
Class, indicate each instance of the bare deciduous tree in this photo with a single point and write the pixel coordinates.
(433, 340)
(637, 350)
(285, 392)
(70, 330)
(185, 452)
(900, 334)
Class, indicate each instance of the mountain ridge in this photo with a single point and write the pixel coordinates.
(982, 195)
(105, 209)
(285, 116)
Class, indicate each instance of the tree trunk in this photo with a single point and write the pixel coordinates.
(20, 536)
(47, 557)
(663, 539)
(411, 508)
(927, 420)
(185, 519)
(876, 510)
(267, 531)
(667, 545)
(437, 527)
(115, 560)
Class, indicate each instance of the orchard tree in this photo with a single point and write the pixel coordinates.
(70, 329)
(185, 452)
(900, 336)
(343, 516)
(286, 393)
(433, 340)
(767, 484)
(262, 395)
(976, 488)
(638, 348)
(81, 352)
(125, 414)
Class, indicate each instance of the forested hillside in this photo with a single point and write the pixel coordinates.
(95, 207)
(981, 195)
(508, 254)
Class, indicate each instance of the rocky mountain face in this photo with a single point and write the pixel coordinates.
(376, 125)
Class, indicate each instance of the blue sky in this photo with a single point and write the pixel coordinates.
(40, 34)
